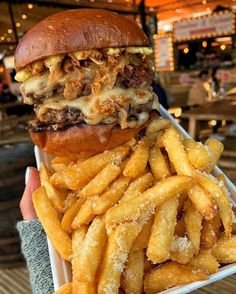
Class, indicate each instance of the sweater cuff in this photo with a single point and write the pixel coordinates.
(35, 249)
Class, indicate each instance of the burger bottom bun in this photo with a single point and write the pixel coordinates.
(83, 139)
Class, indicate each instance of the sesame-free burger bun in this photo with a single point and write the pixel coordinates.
(74, 30)
(83, 138)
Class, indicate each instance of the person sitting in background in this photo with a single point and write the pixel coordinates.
(200, 91)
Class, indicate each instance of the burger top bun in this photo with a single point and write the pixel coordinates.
(75, 30)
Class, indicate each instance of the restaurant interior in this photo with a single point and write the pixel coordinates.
(187, 37)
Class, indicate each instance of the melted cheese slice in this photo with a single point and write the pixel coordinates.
(89, 105)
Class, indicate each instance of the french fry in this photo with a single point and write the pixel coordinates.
(116, 254)
(214, 149)
(47, 216)
(77, 243)
(84, 287)
(70, 199)
(79, 175)
(91, 251)
(182, 250)
(70, 214)
(162, 232)
(180, 229)
(210, 232)
(110, 197)
(142, 239)
(177, 155)
(182, 198)
(196, 153)
(148, 201)
(157, 125)
(133, 273)
(59, 164)
(169, 275)
(225, 250)
(203, 202)
(137, 163)
(193, 224)
(85, 214)
(138, 186)
(219, 196)
(58, 180)
(57, 197)
(101, 181)
(65, 289)
(78, 237)
(205, 261)
(158, 164)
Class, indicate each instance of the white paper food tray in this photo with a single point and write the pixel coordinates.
(61, 270)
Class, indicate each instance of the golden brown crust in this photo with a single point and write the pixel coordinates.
(75, 30)
(83, 139)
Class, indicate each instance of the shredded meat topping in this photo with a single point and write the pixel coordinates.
(95, 71)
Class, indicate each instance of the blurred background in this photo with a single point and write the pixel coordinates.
(195, 76)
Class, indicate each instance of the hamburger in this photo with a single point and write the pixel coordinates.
(88, 75)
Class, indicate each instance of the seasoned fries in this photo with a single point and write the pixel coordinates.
(65, 289)
(215, 149)
(206, 262)
(47, 215)
(196, 153)
(140, 218)
(219, 196)
(138, 161)
(162, 232)
(177, 155)
(57, 197)
(169, 275)
(193, 224)
(225, 250)
(203, 202)
(133, 274)
(118, 248)
(91, 250)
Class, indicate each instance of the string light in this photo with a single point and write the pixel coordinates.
(158, 65)
(222, 47)
(186, 50)
(8, 39)
(2, 38)
(9, 31)
(204, 44)
(23, 16)
(30, 6)
(18, 24)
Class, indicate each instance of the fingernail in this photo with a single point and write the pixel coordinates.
(27, 173)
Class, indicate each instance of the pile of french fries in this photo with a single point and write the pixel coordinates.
(140, 218)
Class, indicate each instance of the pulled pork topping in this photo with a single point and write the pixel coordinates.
(85, 72)
(96, 86)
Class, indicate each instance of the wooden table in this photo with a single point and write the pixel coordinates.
(224, 109)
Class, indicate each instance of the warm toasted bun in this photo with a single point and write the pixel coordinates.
(75, 30)
(83, 138)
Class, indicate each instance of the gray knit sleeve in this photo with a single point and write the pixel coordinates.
(35, 249)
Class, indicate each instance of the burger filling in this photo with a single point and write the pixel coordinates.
(96, 86)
